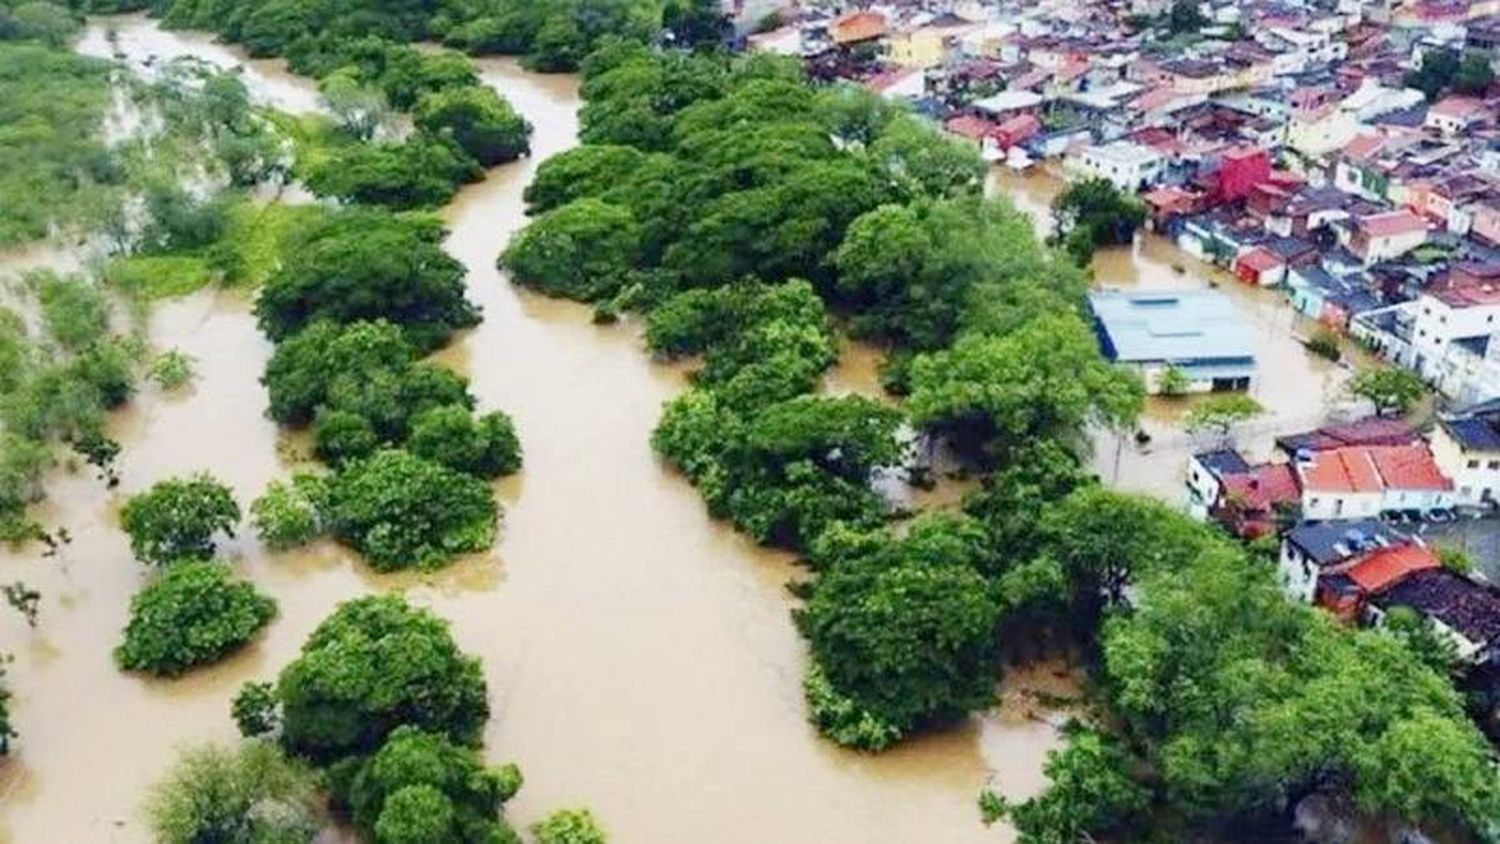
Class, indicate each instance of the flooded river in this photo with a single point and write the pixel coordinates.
(640, 656)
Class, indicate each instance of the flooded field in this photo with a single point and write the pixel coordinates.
(640, 657)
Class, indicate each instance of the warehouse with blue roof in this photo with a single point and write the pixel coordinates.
(1198, 333)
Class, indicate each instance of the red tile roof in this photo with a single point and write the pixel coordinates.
(1263, 486)
(1409, 467)
(1383, 568)
(859, 26)
(1464, 108)
(1391, 222)
(1373, 469)
(1261, 259)
(968, 126)
(1340, 470)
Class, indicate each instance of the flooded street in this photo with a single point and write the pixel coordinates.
(1298, 389)
(641, 658)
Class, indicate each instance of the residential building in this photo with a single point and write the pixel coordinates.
(1466, 610)
(1467, 448)
(1357, 482)
(1128, 166)
(1311, 548)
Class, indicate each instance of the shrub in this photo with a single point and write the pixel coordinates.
(569, 826)
(192, 614)
(286, 515)
(178, 518)
(250, 793)
(373, 665)
(460, 799)
(485, 447)
(400, 510)
(172, 369)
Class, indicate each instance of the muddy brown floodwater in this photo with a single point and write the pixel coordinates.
(640, 656)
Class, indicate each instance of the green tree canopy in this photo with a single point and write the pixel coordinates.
(478, 120)
(243, 794)
(192, 614)
(402, 511)
(178, 518)
(373, 665)
(366, 266)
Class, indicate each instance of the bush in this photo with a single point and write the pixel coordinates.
(341, 435)
(192, 614)
(400, 510)
(1325, 344)
(484, 447)
(460, 799)
(584, 250)
(286, 515)
(373, 665)
(569, 826)
(368, 266)
(172, 369)
(178, 518)
(250, 793)
(308, 364)
(478, 120)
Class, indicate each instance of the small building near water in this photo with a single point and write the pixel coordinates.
(1197, 333)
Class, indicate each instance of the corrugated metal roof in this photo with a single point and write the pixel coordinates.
(1180, 326)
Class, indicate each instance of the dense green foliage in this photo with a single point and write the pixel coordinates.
(178, 518)
(54, 167)
(552, 35)
(1442, 69)
(56, 385)
(420, 787)
(1094, 213)
(904, 629)
(569, 826)
(368, 265)
(478, 121)
(286, 514)
(249, 794)
(452, 436)
(400, 511)
(375, 664)
(1392, 390)
(193, 613)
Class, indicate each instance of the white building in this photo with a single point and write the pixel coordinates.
(1310, 548)
(1128, 166)
(1467, 448)
(1361, 482)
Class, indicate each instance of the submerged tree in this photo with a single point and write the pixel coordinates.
(178, 519)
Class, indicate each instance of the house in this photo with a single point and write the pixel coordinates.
(1465, 305)
(1381, 237)
(1356, 482)
(1311, 548)
(1346, 590)
(1206, 473)
(857, 28)
(1454, 115)
(1128, 166)
(899, 83)
(1199, 333)
(1257, 502)
(1466, 446)
(1373, 430)
(1240, 170)
(1008, 104)
(1466, 610)
(1261, 267)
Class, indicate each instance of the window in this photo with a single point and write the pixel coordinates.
(1473, 464)
(1493, 464)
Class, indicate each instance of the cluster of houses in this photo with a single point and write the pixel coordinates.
(1288, 142)
(1348, 503)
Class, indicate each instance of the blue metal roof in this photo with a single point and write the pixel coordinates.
(1178, 326)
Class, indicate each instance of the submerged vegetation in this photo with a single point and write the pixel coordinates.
(739, 209)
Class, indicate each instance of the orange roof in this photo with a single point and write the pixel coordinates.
(1264, 486)
(1385, 567)
(1340, 470)
(1373, 469)
(1409, 467)
(1261, 259)
(858, 26)
(969, 126)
